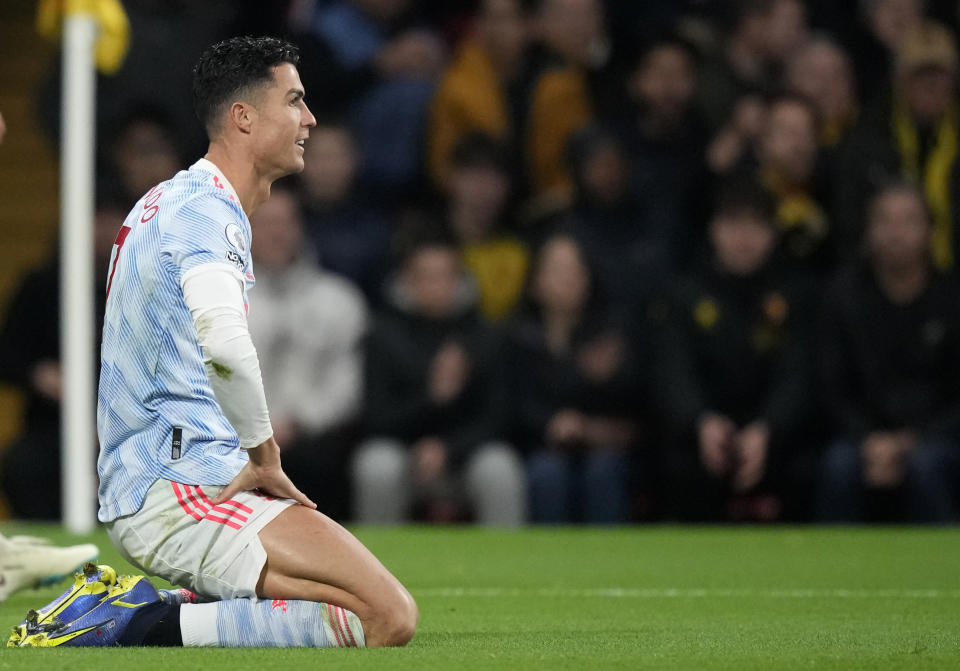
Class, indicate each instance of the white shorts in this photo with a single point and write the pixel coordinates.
(180, 536)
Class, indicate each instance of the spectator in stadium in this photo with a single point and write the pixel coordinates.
(890, 352)
(368, 56)
(307, 325)
(434, 401)
(883, 26)
(30, 361)
(761, 35)
(570, 41)
(732, 368)
(911, 135)
(478, 191)
(787, 157)
(349, 232)
(479, 89)
(667, 135)
(821, 72)
(636, 240)
(574, 392)
(144, 152)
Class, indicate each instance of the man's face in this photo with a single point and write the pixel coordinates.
(789, 145)
(481, 190)
(562, 280)
(571, 27)
(742, 242)
(432, 276)
(928, 92)
(785, 28)
(665, 82)
(605, 173)
(898, 230)
(281, 124)
(890, 20)
(503, 29)
(822, 73)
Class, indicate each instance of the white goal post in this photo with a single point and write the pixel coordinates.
(78, 428)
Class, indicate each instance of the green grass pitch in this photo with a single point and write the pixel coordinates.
(631, 598)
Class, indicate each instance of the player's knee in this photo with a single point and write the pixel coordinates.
(398, 622)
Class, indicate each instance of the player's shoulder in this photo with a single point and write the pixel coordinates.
(200, 191)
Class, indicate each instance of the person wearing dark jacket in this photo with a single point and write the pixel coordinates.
(638, 241)
(731, 368)
(910, 134)
(30, 362)
(434, 401)
(890, 362)
(575, 392)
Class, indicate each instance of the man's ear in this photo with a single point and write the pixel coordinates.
(242, 116)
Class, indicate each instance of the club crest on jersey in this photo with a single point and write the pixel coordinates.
(235, 259)
(236, 238)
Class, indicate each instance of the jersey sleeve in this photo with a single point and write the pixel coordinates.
(207, 230)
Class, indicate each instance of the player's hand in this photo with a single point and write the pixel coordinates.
(599, 360)
(751, 445)
(714, 434)
(47, 379)
(566, 427)
(448, 374)
(263, 473)
(3, 128)
(429, 460)
(883, 454)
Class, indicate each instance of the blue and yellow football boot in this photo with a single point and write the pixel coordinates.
(89, 587)
(120, 617)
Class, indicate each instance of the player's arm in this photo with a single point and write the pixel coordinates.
(214, 295)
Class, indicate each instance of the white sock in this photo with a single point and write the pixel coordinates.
(262, 623)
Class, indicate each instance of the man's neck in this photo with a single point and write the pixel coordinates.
(251, 186)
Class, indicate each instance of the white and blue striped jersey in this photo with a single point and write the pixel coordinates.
(157, 416)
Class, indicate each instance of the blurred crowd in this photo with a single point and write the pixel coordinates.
(587, 261)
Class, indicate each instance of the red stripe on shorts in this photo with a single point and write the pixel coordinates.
(346, 627)
(194, 499)
(335, 626)
(223, 520)
(226, 512)
(183, 504)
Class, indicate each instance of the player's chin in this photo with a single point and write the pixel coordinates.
(294, 166)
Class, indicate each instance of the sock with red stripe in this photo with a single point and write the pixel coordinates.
(262, 623)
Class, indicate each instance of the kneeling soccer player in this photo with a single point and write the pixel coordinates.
(191, 486)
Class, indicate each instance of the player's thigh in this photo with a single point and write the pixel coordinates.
(311, 557)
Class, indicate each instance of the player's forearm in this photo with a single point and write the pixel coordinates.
(215, 301)
(234, 372)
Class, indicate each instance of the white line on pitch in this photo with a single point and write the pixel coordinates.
(689, 593)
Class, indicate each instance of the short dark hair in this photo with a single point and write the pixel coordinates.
(234, 66)
(418, 231)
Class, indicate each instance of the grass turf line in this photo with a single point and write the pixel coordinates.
(657, 598)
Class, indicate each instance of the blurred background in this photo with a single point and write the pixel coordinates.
(550, 261)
